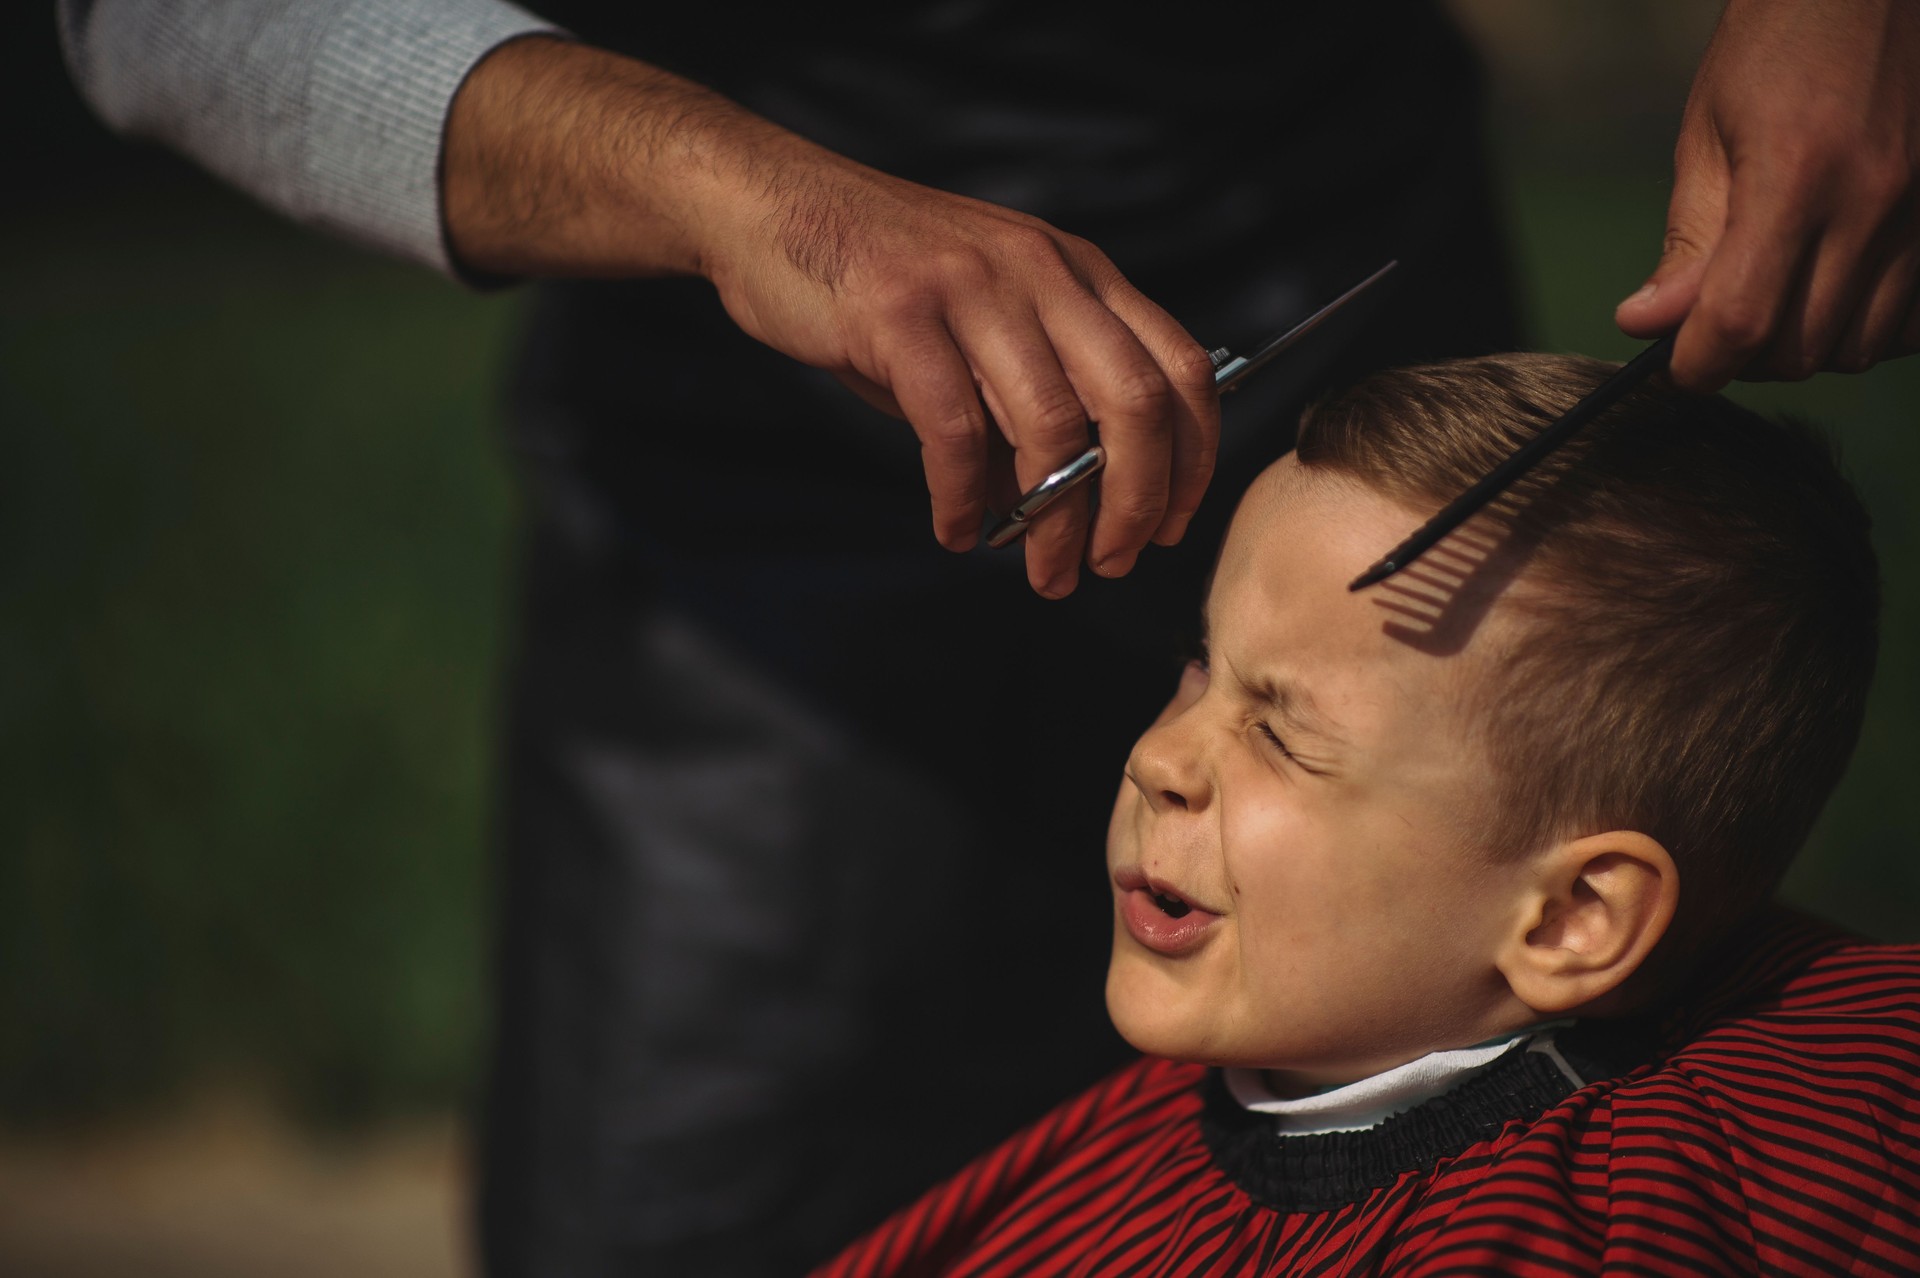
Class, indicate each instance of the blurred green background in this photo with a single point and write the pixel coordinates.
(255, 546)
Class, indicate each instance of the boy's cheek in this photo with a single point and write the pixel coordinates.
(1120, 824)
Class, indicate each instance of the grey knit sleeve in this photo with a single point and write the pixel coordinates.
(329, 110)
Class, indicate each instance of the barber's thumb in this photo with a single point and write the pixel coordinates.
(1658, 306)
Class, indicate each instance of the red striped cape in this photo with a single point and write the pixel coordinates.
(1774, 1129)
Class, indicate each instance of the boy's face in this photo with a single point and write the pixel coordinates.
(1296, 881)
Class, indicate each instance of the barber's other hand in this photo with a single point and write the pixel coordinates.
(1793, 234)
(564, 159)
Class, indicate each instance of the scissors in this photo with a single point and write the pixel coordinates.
(1229, 370)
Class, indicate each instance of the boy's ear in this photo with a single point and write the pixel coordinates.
(1590, 914)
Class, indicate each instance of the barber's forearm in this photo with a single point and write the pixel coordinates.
(563, 159)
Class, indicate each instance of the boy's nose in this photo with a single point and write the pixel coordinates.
(1165, 766)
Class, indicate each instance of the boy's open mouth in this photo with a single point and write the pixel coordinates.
(1171, 906)
(1158, 915)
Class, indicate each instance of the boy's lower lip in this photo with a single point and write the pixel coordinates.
(1159, 931)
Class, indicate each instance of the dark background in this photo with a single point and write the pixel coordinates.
(255, 540)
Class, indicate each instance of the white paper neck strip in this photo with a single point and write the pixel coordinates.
(1369, 1102)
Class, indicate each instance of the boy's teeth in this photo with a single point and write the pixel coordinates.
(1172, 907)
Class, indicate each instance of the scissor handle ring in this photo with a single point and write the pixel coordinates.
(1045, 493)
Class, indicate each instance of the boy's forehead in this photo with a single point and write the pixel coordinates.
(1297, 530)
(1280, 588)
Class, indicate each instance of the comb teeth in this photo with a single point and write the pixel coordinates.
(1652, 360)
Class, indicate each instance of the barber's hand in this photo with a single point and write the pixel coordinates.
(943, 310)
(561, 159)
(1793, 235)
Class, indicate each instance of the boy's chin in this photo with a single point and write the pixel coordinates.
(1156, 1021)
(1160, 1018)
(1153, 1039)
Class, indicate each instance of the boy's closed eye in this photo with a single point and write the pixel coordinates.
(1265, 700)
(1266, 730)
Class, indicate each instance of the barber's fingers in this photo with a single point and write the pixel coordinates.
(1040, 413)
(1125, 391)
(932, 386)
(1858, 266)
(1193, 414)
(1835, 283)
(1031, 355)
(1876, 329)
(1752, 274)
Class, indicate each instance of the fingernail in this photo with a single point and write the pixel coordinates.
(1061, 586)
(1115, 565)
(1645, 294)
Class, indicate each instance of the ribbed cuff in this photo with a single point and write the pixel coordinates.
(384, 78)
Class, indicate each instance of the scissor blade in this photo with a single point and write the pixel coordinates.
(1229, 374)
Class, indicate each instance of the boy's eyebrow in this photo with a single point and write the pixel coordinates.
(1290, 701)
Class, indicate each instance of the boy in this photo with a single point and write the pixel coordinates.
(1458, 882)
